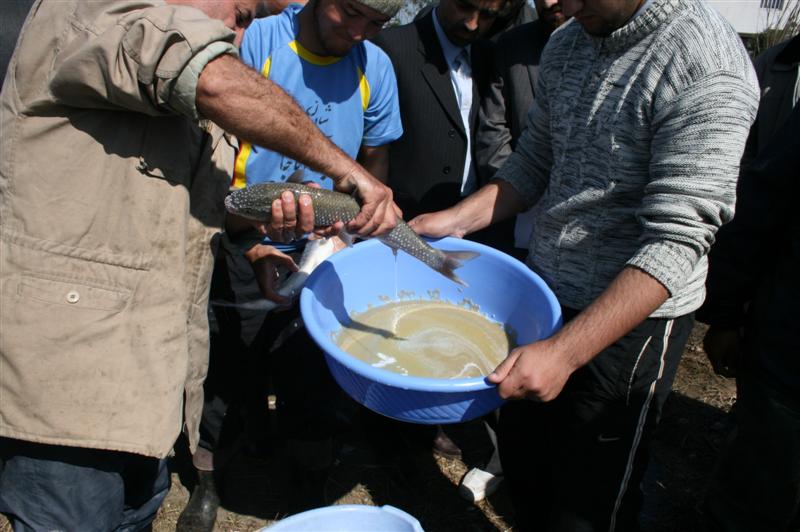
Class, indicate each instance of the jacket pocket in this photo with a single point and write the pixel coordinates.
(72, 294)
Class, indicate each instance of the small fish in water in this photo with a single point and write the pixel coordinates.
(254, 202)
(314, 254)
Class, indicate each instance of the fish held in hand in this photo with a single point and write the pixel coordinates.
(255, 202)
(314, 254)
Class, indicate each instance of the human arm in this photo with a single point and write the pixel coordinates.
(375, 159)
(166, 60)
(253, 108)
(493, 202)
(493, 133)
(382, 121)
(540, 370)
(266, 261)
(688, 195)
(518, 184)
(699, 133)
(749, 260)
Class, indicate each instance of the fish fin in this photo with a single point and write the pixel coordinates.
(347, 238)
(296, 176)
(453, 261)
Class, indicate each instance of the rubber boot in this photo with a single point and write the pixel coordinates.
(201, 510)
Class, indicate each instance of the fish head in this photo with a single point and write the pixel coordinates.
(253, 202)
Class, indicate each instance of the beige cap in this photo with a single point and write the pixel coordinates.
(387, 7)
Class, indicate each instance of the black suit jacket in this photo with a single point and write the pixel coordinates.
(504, 113)
(426, 164)
(505, 103)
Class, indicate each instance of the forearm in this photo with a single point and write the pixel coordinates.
(494, 202)
(254, 109)
(375, 160)
(493, 135)
(631, 297)
(541, 369)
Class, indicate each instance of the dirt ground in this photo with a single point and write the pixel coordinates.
(376, 466)
(378, 469)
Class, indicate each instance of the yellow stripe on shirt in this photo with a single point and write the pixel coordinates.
(363, 86)
(311, 57)
(240, 167)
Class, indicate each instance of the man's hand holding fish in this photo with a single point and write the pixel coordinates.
(379, 214)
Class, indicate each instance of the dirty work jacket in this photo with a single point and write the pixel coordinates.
(109, 197)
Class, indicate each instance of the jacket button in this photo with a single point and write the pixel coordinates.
(73, 296)
(446, 170)
(451, 133)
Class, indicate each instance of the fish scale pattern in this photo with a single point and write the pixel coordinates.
(254, 202)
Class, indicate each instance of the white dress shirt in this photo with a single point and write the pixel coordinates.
(458, 62)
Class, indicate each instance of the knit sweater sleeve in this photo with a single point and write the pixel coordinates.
(698, 140)
(527, 169)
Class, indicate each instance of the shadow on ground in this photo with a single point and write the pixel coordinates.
(377, 461)
(688, 440)
(380, 462)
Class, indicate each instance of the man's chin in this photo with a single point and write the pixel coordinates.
(554, 21)
(464, 41)
(340, 48)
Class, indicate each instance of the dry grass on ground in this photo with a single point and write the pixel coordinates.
(386, 471)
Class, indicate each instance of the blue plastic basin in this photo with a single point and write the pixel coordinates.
(348, 518)
(504, 289)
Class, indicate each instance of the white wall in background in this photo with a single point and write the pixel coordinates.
(754, 16)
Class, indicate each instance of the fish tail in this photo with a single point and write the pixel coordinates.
(453, 261)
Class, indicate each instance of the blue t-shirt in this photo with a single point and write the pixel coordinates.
(352, 99)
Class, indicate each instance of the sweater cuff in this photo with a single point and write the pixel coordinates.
(184, 93)
(669, 263)
(517, 178)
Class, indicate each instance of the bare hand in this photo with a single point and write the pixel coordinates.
(436, 224)
(265, 261)
(379, 214)
(722, 347)
(290, 220)
(533, 371)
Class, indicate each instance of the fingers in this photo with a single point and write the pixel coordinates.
(378, 213)
(290, 219)
(265, 261)
(509, 385)
(376, 218)
(501, 371)
(436, 224)
(306, 215)
(531, 372)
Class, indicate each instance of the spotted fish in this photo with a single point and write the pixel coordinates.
(254, 202)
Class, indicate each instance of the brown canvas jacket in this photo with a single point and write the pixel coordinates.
(110, 192)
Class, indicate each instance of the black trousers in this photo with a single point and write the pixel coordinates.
(575, 464)
(756, 485)
(255, 353)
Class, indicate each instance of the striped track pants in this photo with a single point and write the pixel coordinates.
(575, 464)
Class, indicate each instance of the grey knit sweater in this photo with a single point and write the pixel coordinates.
(632, 151)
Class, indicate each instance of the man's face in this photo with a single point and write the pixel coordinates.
(465, 21)
(341, 24)
(601, 17)
(550, 13)
(235, 14)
